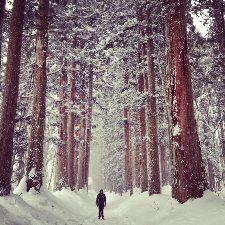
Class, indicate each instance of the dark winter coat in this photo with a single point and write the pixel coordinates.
(101, 200)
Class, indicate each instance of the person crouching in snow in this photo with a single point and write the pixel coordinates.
(101, 203)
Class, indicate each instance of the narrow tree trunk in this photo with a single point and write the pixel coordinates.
(137, 158)
(219, 25)
(82, 136)
(20, 151)
(154, 183)
(62, 154)
(218, 6)
(127, 147)
(71, 133)
(142, 115)
(189, 179)
(10, 95)
(142, 133)
(89, 124)
(164, 167)
(2, 10)
(212, 183)
(35, 156)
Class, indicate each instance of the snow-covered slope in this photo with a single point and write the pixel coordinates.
(69, 208)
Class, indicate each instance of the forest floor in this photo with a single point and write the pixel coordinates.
(69, 208)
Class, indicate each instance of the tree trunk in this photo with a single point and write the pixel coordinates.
(10, 95)
(218, 8)
(2, 10)
(35, 156)
(62, 154)
(20, 150)
(142, 115)
(70, 127)
(89, 124)
(189, 179)
(164, 167)
(127, 147)
(142, 133)
(219, 26)
(82, 132)
(137, 158)
(212, 183)
(154, 183)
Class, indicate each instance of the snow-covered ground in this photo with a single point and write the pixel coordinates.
(69, 208)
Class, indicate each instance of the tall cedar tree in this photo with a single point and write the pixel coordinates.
(82, 133)
(62, 154)
(127, 147)
(154, 182)
(89, 125)
(72, 175)
(35, 155)
(189, 180)
(137, 151)
(218, 7)
(10, 95)
(142, 111)
(2, 9)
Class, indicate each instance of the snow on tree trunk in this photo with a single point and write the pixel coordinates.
(35, 155)
(89, 124)
(71, 132)
(218, 6)
(127, 146)
(10, 95)
(164, 166)
(189, 179)
(212, 183)
(2, 9)
(154, 182)
(137, 148)
(142, 112)
(62, 153)
(82, 132)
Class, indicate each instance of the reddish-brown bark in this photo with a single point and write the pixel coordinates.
(82, 131)
(142, 116)
(218, 6)
(189, 179)
(62, 154)
(89, 124)
(127, 146)
(154, 182)
(36, 151)
(2, 9)
(71, 133)
(10, 95)
(137, 162)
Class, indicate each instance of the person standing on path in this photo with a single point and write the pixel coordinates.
(101, 203)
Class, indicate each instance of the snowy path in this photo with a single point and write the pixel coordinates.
(111, 218)
(78, 208)
(112, 213)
